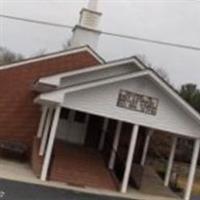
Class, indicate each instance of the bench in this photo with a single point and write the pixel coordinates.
(13, 150)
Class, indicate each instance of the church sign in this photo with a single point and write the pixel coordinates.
(137, 102)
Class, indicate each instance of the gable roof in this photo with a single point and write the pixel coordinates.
(54, 55)
(59, 93)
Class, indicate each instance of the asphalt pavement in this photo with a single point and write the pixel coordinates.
(12, 190)
(196, 198)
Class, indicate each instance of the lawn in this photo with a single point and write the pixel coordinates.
(182, 181)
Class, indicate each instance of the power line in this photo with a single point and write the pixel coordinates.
(158, 42)
(154, 41)
(36, 21)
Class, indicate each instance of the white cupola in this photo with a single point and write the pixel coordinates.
(87, 32)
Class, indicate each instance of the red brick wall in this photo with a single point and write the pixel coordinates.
(36, 160)
(79, 166)
(19, 116)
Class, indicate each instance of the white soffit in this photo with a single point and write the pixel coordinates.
(55, 80)
(58, 95)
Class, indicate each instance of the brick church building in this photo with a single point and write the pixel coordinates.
(88, 122)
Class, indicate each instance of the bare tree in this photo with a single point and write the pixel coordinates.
(161, 72)
(7, 56)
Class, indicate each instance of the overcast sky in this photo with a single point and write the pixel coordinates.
(169, 20)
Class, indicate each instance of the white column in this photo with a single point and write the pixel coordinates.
(129, 159)
(170, 162)
(103, 134)
(46, 131)
(115, 146)
(52, 135)
(146, 146)
(192, 170)
(42, 121)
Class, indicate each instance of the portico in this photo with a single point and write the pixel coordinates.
(128, 96)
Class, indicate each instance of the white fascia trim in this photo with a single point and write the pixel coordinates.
(53, 55)
(53, 81)
(60, 93)
(56, 79)
(172, 93)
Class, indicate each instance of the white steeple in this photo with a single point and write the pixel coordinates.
(93, 5)
(87, 32)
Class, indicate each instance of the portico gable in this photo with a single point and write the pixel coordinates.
(102, 98)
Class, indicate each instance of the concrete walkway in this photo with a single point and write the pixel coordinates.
(12, 170)
(154, 185)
